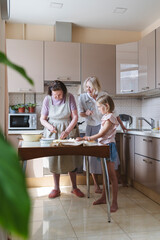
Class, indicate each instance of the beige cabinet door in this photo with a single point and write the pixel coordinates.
(62, 61)
(29, 55)
(158, 57)
(100, 60)
(147, 62)
(145, 171)
(127, 68)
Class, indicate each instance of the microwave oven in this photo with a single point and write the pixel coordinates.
(17, 121)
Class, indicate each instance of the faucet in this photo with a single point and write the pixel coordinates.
(152, 123)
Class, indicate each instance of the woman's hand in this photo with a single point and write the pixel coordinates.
(89, 112)
(52, 129)
(64, 134)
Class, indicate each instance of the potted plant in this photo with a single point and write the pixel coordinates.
(13, 109)
(31, 107)
(21, 107)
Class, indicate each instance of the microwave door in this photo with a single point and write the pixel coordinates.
(19, 122)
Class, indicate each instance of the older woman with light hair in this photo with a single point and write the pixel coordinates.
(88, 109)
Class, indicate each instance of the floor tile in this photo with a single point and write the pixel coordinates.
(137, 223)
(156, 215)
(51, 230)
(145, 236)
(99, 226)
(71, 218)
(149, 205)
(119, 236)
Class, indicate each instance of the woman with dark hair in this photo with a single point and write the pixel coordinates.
(59, 117)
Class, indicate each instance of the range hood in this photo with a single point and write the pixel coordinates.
(63, 32)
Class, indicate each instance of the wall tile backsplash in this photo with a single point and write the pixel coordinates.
(146, 108)
(151, 109)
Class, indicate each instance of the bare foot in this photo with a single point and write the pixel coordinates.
(98, 190)
(101, 200)
(114, 207)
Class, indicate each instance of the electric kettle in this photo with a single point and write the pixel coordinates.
(126, 119)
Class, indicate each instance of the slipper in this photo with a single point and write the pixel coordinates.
(77, 192)
(54, 193)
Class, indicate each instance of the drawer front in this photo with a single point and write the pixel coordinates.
(145, 169)
(147, 146)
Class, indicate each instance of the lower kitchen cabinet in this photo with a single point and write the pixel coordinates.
(147, 162)
(14, 139)
(128, 156)
(34, 167)
(147, 172)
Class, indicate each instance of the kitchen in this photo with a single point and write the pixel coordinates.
(135, 105)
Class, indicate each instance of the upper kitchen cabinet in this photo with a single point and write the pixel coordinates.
(127, 68)
(29, 55)
(62, 61)
(147, 62)
(100, 60)
(158, 57)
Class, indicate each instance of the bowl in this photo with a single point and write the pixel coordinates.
(46, 140)
(31, 137)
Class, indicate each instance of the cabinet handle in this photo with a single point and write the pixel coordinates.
(64, 78)
(150, 162)
(146, 161)
(127, 90)
(127, 137)
(145, 88)
(146, 140)
(24, 89)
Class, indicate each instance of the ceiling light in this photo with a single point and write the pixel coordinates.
(120, 10)
(56, 5)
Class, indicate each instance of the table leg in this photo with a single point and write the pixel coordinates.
(87, 176)
(107, 187)
(24, 165)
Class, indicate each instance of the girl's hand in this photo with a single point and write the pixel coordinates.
(89, 112)
(124, 129)
(86, 138)
(64, 134)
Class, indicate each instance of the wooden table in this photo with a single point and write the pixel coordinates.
(32, 150)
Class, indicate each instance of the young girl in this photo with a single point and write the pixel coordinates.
(106, 136)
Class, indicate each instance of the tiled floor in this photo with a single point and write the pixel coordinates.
(71, 218)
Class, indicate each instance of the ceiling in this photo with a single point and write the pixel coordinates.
(138, 14)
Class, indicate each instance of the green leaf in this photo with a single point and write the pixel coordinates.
(6, 61)
(14, 198)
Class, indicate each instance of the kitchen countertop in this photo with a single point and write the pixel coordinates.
(147, 133)
(25, 131)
